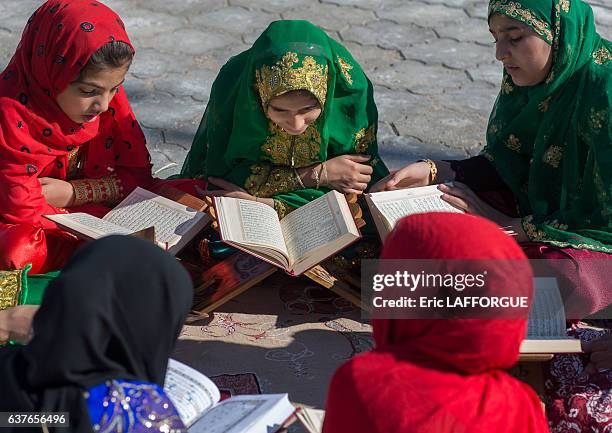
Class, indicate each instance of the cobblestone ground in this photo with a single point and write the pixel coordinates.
(432, 63)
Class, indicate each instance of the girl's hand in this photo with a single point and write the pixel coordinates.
(413, 175)
(600, 351)
(16, 323)
(348, 173)
(57, 193)
(228, 189)
(463, 198)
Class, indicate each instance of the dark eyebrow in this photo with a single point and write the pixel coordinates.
(95, 85)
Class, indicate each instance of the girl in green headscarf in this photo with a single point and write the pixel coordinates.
(546, 174)
(549, 135)
(288, 120)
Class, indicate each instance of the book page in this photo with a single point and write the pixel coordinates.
(547, 315)
(88, 225)
(311, 419)
(314, 225)
(142, 209)
(394, 205)
(190, 391)
(250, 223)
(245, 413)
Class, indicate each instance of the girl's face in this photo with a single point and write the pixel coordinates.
(294, 111)
(526, 57)
(90, 95)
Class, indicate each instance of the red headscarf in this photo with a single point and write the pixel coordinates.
(441, 376)
(35, 134)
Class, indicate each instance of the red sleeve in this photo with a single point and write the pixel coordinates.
(21, 198)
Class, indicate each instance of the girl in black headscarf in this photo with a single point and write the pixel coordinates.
(102, 338)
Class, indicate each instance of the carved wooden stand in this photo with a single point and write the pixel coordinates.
(234, 275)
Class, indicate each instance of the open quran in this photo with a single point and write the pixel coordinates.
(197, 400)
(174, 224)
(389, 206)
(546, 328)
(301, 240)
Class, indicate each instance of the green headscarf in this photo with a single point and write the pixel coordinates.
(552, 143)
(237, 142)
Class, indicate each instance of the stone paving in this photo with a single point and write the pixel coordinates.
(432, 63)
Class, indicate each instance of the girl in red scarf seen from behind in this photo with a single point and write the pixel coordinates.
(69, 140)
(442, 375)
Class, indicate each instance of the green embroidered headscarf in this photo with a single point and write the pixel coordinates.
(552, 143)
(237, 142)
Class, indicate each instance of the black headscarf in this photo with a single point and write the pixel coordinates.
(115, 312)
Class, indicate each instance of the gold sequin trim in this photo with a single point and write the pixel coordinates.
(283, 77)
(544, 105)
(565, 5)
(266, 181)
(345, 68)
(296, 151)
(517, 11)
(602, 56)
(597, 119)
(534, 234)
(106, 190)
(10, 288)
(506, 86)
(513, 143)
(74, 164)
(531, 230)
(363, 139)
(282, 209)
(553, 156)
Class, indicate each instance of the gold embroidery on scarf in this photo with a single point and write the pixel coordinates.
(553, 156)
(74, 164)
(602, 56)
(282, 209)
(506, 86)
(597, 119)
(513, 143)
(565, 5)
(531, 229)
(544, 105)
(297, 151)
(10, 288)
(487, 155)
(493, 128)
(282, 77)
(556, 224)
(345, 67)
(363, 139)
(266, 181)
(516, 10)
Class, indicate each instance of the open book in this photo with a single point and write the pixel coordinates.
(175, 224)
(311, 419)
(546, 325)
(299, 241)
(196, 399)
(389, 206)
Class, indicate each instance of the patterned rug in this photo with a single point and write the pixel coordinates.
(284, 335)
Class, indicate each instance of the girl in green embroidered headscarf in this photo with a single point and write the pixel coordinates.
(546, 174)
(549, 134)
(287, 120)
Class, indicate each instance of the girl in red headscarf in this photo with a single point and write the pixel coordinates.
(69, 140)
(442, 375)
